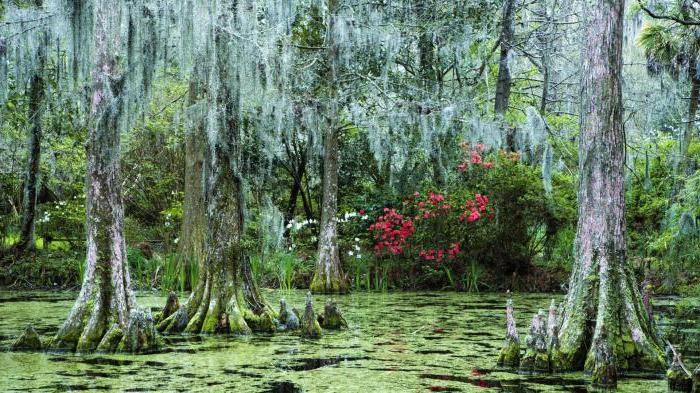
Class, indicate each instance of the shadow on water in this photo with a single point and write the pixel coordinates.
(307, 364)
(482, 379)
(283, 387)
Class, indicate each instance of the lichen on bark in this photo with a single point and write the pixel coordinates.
(105, 298)
(536, 358)
(509, 356)
(604, 327)
(310, 328)
(226, 299)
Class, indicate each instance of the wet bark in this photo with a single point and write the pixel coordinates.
(103, 316)
(604, 326)
(194, 212)
(31, 178)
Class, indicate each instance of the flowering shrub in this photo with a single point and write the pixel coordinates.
(391, 231)
(437, 231)
(492, 215)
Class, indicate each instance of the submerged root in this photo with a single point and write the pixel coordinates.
(310, 328)
(140, 335)
(604, 370)
(176, 322)
(331, 318)
(27, 341)
(92, 328)
(222, 314)
(288, 319)
(509, 356)
(172, 304)
(536, 357)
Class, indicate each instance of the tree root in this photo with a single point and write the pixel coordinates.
(331, 318)
(288, 319)
(27, 341)
(536, 357)
(509, 356)
(310, 328)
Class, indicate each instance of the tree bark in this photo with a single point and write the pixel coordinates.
(226, 299)
(329, 277)
(504, 78)
(105, 315)
(192, 246)
(31, 178)
(604, 327)
(503, 83)
(682, 165)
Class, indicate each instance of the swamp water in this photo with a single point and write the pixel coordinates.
(397, 342)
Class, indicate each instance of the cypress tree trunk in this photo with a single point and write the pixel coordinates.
(504, 78)
(329, 277)
(105, 316)
(681, 167)
(604, 326)
(36, 105)
(194, 214)
(226, 299)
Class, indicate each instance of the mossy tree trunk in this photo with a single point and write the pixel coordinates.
(329, 277)
(226, 299)
(604, 326)
(191, 247)
(101, 315)
(31, 174)
(682, 166)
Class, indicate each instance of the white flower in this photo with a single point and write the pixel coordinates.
(357, 239)
(350, 253)
(359, 256)
(357, 247)
(176, 240)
